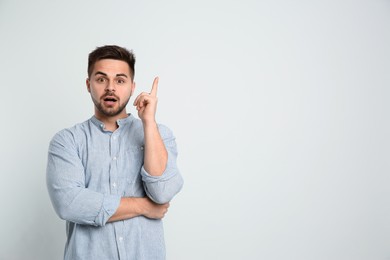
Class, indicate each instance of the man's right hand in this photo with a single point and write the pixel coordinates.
(150, 209)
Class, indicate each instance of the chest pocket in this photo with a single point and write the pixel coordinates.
(133, 162)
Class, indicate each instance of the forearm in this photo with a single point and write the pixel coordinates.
(133, 207)
(156, 156)
(162, 188)
(128, 208)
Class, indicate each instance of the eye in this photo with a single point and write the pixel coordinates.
(101, 80)
(120, 81)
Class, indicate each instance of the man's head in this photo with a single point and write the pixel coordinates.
(110, 80)
(111, 52)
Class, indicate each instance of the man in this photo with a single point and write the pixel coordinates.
(112, 177)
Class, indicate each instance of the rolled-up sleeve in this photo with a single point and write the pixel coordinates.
(161, 189)
(65, 178)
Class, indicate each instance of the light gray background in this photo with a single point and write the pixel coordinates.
(280, 109)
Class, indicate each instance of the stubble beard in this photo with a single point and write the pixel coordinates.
(110, 111)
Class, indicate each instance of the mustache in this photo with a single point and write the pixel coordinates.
(110, 94)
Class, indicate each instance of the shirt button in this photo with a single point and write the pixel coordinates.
(114, 185)
(142, 147)
(121, 239)
(114, 158)
(114, 137)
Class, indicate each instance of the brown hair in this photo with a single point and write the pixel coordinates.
(111, 52)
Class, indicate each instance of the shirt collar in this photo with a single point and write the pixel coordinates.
(121, 122)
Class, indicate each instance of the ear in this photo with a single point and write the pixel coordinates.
(88, 85)
(132, 88)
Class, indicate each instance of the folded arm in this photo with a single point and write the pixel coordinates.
(65, 180)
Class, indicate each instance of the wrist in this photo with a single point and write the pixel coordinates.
(149, 123)
(140, 206)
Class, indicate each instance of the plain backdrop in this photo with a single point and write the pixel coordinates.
(280, 110)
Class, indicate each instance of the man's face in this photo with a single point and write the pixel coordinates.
(111, 87)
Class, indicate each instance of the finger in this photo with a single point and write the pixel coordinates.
(139, 97)
(136, 100)
(144, 100)
(153, 92)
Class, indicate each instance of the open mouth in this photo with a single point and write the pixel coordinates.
(110, 100)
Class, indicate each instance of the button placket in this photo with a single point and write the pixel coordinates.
(113, 169)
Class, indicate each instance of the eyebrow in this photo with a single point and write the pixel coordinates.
(117, 75)
(121, 75)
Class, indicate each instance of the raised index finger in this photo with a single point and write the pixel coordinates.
(153, 92)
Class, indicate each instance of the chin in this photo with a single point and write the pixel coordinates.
(111, 112)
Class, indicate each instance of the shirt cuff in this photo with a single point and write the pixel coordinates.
(109, 206)
(146, 177)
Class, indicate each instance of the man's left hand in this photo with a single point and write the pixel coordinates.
(146, 104)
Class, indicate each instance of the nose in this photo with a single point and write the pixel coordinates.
(110, 86)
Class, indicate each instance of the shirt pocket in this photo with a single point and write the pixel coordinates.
(133, 162)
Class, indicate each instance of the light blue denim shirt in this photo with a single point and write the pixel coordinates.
(89, 169)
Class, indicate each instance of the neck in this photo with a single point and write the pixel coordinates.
(110, 122)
